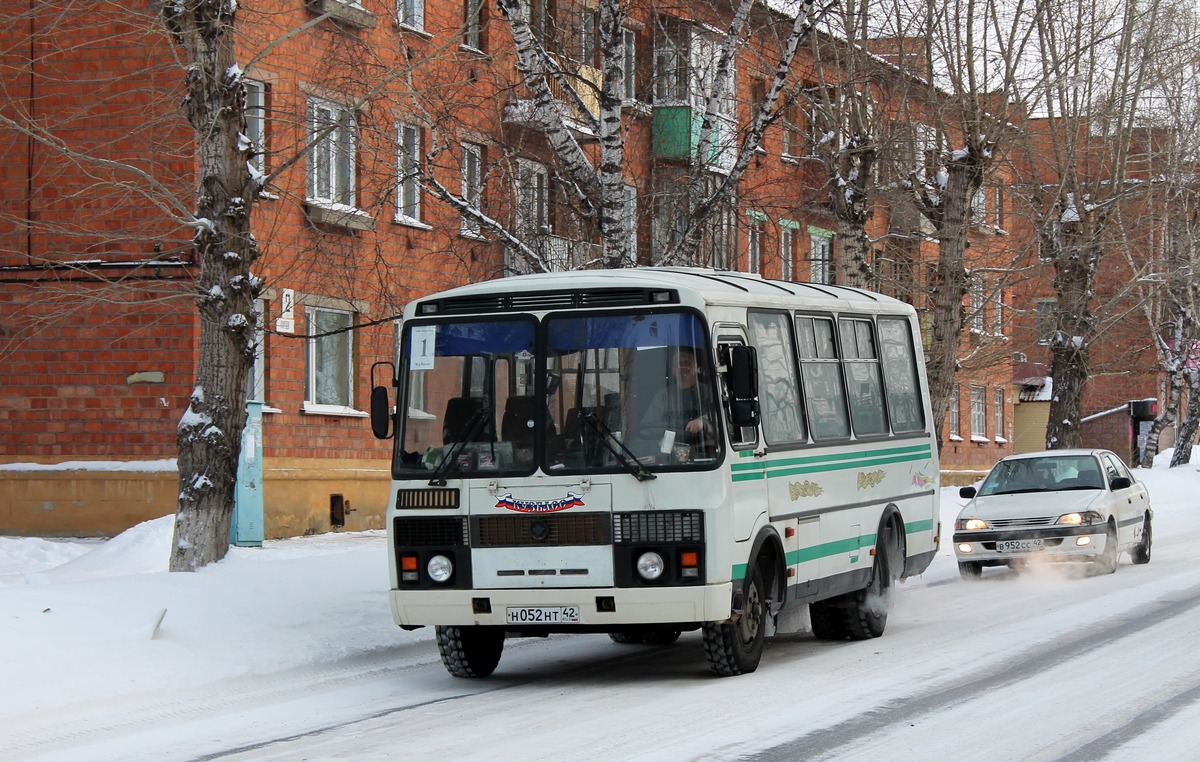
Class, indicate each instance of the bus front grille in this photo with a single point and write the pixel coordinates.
(658, 526)
(429, 532)
(549, 529)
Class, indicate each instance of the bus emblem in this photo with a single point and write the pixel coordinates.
(869, 479)
(508, 502)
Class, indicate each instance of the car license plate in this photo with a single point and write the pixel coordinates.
(542, 615)
(1018, 546)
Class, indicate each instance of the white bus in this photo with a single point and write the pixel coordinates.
(649, 451)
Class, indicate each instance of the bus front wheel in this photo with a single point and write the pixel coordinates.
(470, 651)
(735, 646)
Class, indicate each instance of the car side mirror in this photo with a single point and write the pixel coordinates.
(966, 492)
(1120, 483)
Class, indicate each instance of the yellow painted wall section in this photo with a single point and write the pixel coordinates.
(296, 498)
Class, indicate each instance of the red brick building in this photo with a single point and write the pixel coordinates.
(99, 334)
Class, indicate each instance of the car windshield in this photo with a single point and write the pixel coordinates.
(1045, 474)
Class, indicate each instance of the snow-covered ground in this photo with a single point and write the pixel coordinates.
(289, 651)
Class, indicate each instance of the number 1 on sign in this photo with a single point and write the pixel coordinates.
(421, 347)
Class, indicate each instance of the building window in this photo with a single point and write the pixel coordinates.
(955, 426)
(979, 207)
(408, 184)
(670, 60)
(786, 252)
(978, 412)
(472, 185)
(754, 243)
(588, 52)
(820, 256)
(998, 207)
(256, 122)
(412, 14)
(998, 311)
(473, 24)
(332, 139)
(629, 64)
(793, 137)
(999, 414)
(330, 359)
(630, 215)
(977, 303)
(533, 217)
(1047, 320)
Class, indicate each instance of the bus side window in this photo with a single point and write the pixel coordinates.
(778, 390)
(863, 380)
(900, 375)
(821, 375)
(739, 436)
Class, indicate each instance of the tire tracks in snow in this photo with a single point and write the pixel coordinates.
(828, 741)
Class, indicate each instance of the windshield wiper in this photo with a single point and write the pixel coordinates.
(622, 453)
(471, 429)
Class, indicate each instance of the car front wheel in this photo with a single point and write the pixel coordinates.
(970, 570)
(1106, 562)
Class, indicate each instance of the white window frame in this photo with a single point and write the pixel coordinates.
(411, 14)
(1045, 309)
(472, 33)
(979, 206)
(998, 311)
(629, 65)
(631, 228)
(998, 396)
(472, 186)
(533, 199)
(754, 236)
(978, 413)
(257, 378)
(311, 403)
(588, 42)
(331, 155)
(408, 177)
(820, 258)
(954, 415)
(977, 303)
(786, 249)
(256, 122)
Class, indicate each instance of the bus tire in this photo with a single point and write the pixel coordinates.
(866, 616)
(470, 651)
(735, 646)
(626, 637)
(828, 622)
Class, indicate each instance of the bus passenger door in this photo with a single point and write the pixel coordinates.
(747, 465)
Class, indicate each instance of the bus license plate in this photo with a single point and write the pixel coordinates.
(1018, 546)
(542, 615)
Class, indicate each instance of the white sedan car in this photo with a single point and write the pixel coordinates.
(1057, 505)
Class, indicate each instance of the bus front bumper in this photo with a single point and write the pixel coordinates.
(594, 608)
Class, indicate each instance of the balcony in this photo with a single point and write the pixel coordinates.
(520, 111)
(676, 136)
(559, 254)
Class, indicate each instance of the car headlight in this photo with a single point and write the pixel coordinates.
(971, 524)
(440, 568)
(650, 565)
(1080, 518)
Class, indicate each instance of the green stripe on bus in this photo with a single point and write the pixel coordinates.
(743, 472)
(837, 547)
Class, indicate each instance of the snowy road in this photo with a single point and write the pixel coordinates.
(1051, 664)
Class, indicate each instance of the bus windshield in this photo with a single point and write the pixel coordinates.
(587, 394)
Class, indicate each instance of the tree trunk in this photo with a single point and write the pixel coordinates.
(1191, 420)
(1070, 347)
(1169, 414)
(210, 432)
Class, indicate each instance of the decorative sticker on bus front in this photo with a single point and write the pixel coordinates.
(804, 489)
(869, 479)
(508, 502)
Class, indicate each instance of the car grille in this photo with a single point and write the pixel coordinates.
(1034, 522)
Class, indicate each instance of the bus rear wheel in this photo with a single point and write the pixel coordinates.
(735, 646)
(867, 614)
(470, 651)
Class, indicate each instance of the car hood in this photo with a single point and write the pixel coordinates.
(1028, 505)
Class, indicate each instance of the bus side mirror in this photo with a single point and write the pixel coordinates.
(381, 406)
(742, 381)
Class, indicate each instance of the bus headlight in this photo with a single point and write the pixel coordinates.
(440, 568)
(650, 565)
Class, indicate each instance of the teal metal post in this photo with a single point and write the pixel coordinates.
(246, 529)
